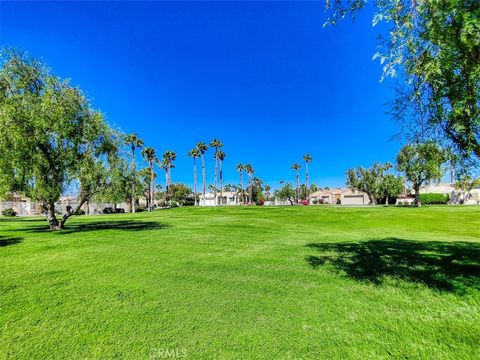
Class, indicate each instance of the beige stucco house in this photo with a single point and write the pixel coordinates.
(339, 196)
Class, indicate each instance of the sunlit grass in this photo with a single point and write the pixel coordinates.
(250, 282)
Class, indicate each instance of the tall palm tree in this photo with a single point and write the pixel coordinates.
(168, 158)
(202, 148)
(149, 155)
(308, 159)
(216, 144)
(240, 168)
(267, 191)
(250, 171)
(296, 167)
(221, 157)
(194, 154)
(134, 142)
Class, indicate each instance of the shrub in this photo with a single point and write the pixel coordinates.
(80, 212)
(432, 198)
(9, 212)
(108, 210)
(321, 201)
(120, 210)
(304, 202)
(260, 202)
(140, 208)
(314, 201)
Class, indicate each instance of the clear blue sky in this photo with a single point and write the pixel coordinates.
(266, 78)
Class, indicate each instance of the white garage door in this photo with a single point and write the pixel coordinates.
(352, 200)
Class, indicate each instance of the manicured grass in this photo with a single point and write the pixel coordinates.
(241, 283)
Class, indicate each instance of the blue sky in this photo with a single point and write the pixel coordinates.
(264, 77)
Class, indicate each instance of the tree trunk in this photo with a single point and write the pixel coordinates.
(417, 196)
(298, 182)
(242, 198)
(195, 181)
(149, 202)
(133, 180)
(215, 173)
(221, 182)
(204, 183)
(84, 198)
(306, 180)
(152, 180)
(49, 209)
(167, 189)
(386, 201)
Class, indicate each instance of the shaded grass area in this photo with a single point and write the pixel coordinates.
(241, 283)
(444, 266)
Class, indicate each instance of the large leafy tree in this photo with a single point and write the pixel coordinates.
(50, 137)
(286, 192)
(391, 186)
(370, 181)
(421, 163)
(433, 47)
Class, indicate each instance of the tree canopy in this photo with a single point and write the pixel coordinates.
(421, 163)
(50, 135)
(433, 48)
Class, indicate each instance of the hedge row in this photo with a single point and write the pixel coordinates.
(431, 198)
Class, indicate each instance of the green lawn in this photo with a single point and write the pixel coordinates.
(241, 283)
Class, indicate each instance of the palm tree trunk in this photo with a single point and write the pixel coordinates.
(152, 185)
(195, 181)
(134, 170)
(215, 179)
(170, 179)
(298, 181)
(221, 182)
(242, 199)
(204, 183)
(250, 190)
(167, 198)
(306, 181)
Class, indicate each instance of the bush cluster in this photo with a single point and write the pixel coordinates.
(431, 198)
(110, 210)
(9, 212)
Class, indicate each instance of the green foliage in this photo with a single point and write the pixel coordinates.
(433, 47)
(9, 212)
(286, 192)
(431, 198)
(179, 193)
(421, 162)
(51, 137)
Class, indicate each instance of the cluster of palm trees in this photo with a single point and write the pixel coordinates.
(150, 156)
(219, 156)
(167, 163)
(295, 166)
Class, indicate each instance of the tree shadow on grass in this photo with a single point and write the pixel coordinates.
(445, 266)
(6, 241)
(95, 225)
